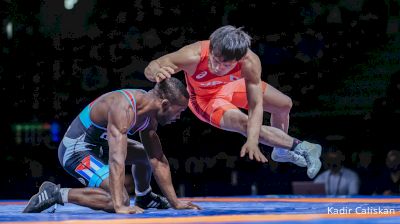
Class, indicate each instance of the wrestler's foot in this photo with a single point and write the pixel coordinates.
(311, 152)
(151, 200)
(284, 156)
(48, 195)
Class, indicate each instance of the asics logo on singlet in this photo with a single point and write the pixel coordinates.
(212, 83)
(201, 75)
(82, 180)
(233, 78)
(104, 136)
(217, 82)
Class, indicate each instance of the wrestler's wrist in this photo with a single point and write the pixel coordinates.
(252, 141)
(174, 203)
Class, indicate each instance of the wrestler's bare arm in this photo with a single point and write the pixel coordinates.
(160, 165)
(185, 59)
(251, 72)
(119, 117)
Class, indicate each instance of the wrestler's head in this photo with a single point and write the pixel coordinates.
(174, 100)
(228, 45)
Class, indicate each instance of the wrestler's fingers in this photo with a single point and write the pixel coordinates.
(194, 206)
(265, 160)
(243, 152)
(169, 70)
(160, 76)
(251, 155)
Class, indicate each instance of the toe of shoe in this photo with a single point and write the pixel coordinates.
(302, 163)
(30, 209)
(313, 171)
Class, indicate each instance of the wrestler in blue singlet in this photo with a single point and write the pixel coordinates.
(84, 149)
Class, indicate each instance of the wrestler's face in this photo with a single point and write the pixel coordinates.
(219, 66)
(170, 113)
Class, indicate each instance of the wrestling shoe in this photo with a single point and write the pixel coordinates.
(151, 200)
(311, 152)
(48, 195)
(284, 156)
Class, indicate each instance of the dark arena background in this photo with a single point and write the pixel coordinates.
(338, 60)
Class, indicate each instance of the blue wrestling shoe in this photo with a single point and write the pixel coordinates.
(48, 195)
(311, 152)
(284, 156)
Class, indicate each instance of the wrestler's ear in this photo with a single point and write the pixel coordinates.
(165, 104)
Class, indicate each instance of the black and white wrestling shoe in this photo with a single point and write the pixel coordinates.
(48, 196)
(151, 200)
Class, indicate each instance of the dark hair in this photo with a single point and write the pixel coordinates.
(230, 43)
(171, 89)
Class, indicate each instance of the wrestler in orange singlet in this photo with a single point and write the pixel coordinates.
(223, 75)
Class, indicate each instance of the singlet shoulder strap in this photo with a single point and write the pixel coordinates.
(205, 48)
(131, 99)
